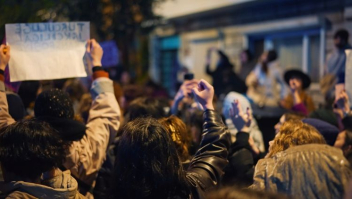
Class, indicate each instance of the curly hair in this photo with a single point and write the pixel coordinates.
(147, 164)
(179, 134)
(29, 148)
(294, 133)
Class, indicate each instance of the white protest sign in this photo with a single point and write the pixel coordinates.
(42, 51)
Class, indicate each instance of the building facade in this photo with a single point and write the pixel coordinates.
(301, 31)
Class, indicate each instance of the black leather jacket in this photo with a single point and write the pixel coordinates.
(206, 168)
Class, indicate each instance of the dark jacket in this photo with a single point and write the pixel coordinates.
(240, 170)
(206, 168)
(306, 171)
(224, 79)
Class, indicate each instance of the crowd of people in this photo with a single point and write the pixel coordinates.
(57, 140)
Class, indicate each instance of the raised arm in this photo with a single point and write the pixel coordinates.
(88, 154)
(342, 110)
(185, 91)
(5, 117)
(206, 168)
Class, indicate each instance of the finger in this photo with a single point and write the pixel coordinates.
(195, 91)
(239, 108)
(2, 47)
(188, 91)
(189, 82)
(231, 112)
(95, 44)
(249, 114)
(8, 50)
(233, 109)
(94, 41)
(88, 46)
(233, 105)
(236, 108)
(205, 84)
(345, 96)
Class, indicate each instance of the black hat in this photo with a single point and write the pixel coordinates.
(55, 107)
(16, 107)
(54, 103)
(297, 73)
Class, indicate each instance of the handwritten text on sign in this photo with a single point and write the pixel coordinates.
(47, 50)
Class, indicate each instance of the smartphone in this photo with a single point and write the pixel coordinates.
(188, 76)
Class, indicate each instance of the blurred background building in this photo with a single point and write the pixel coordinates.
(301, 31)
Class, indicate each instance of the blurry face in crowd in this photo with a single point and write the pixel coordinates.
(279, 124)
(296, 82)
(264, 57)
(338, 43)
(125, 78)
(340, 140)
(342, 143)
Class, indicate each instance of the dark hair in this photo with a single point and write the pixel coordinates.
(28, 92)
(29, 148)
(54, 103)
(224, 61)
(147, 164)
(197, 121)
(75, 89)
(272, 56)
(348, 138)
(342, 34)
(145, 107)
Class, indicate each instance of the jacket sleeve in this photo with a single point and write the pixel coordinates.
(206, 168)
(259, 175)
(241, 161)
(87, 155)
(5, 117)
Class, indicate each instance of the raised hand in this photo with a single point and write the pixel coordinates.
(185, 90)
(95, 51)
(4, 56)
(242, 120)
(204, 94)
(294, 85)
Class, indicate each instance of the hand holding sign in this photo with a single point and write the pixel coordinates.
(4, 56)
(95, 51)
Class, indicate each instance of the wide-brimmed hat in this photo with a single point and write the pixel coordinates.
(297, 73)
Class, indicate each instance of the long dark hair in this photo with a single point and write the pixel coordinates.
(147, 164)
